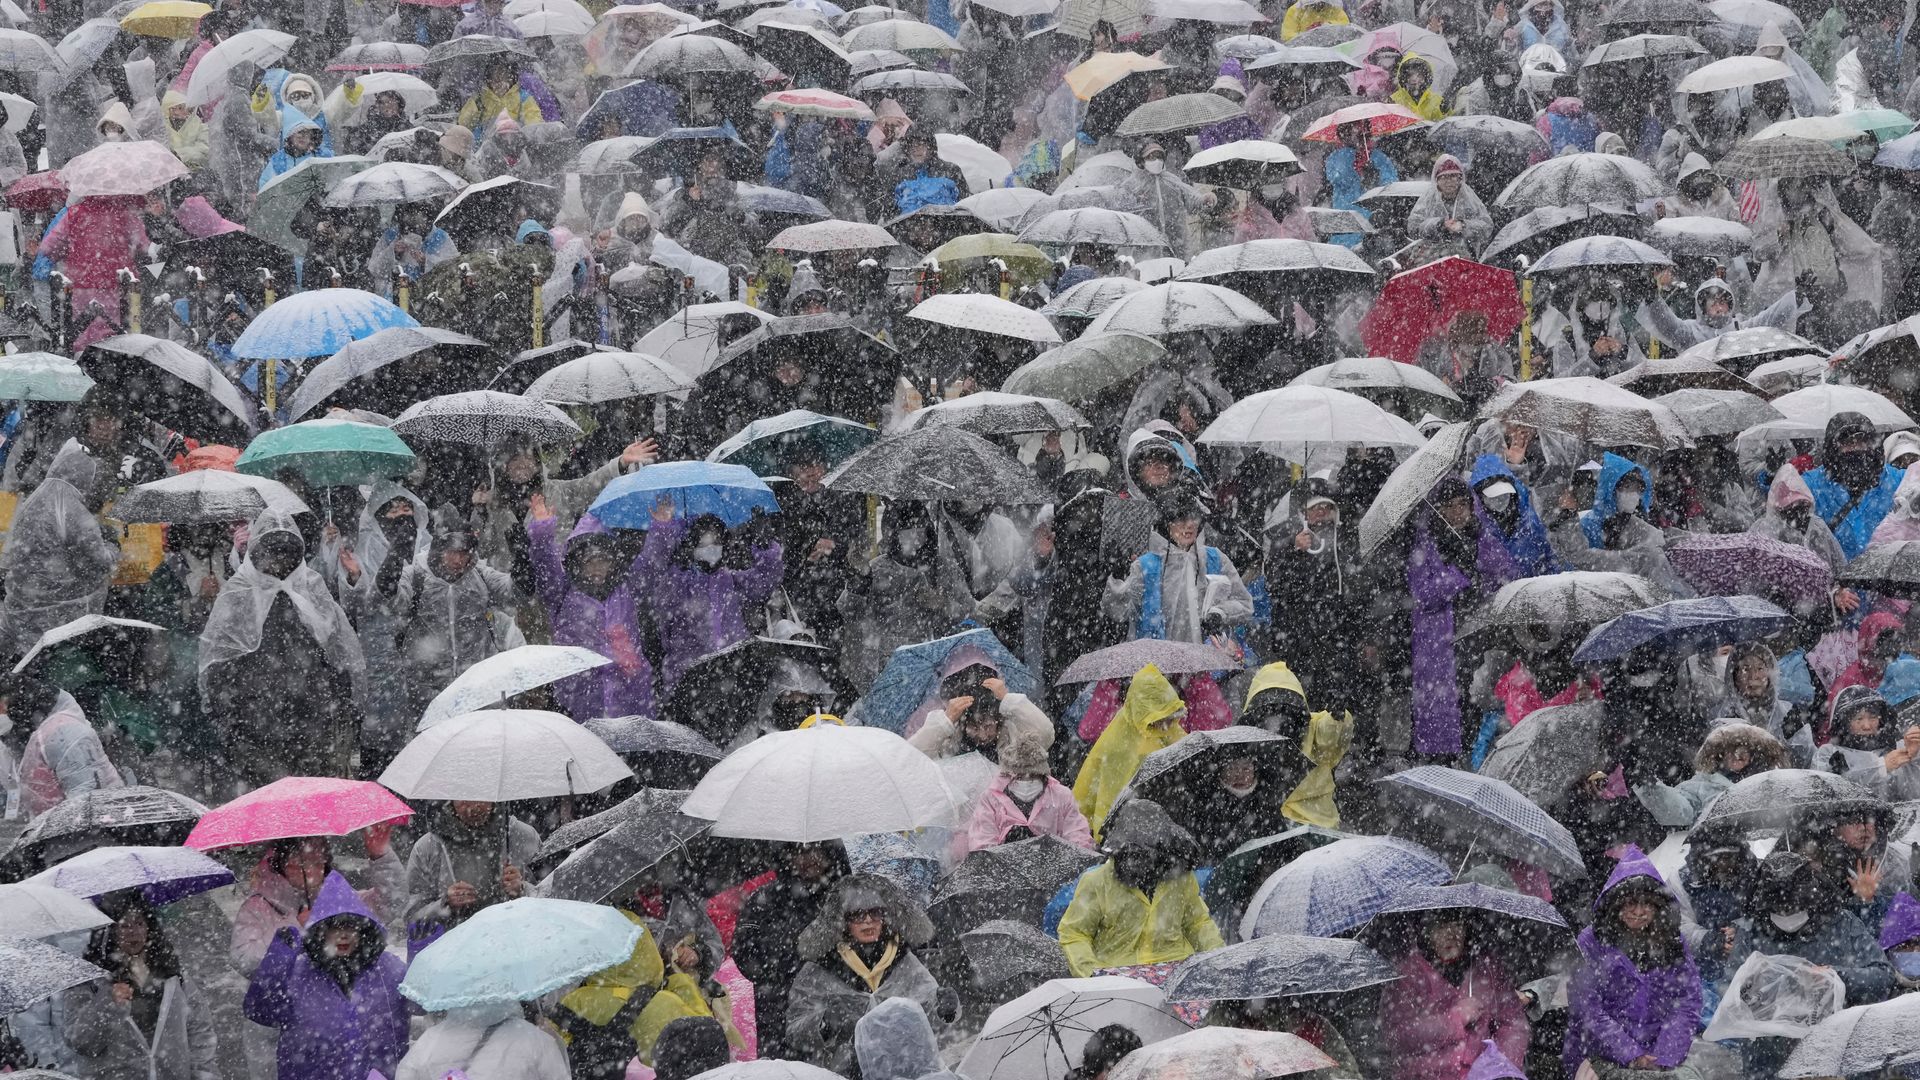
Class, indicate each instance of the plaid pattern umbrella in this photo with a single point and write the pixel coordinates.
(484, 418)
(128, 168)
(1785, 157)
(1333, 889)
(1483, 812)
(682, 55)
(1679, 627)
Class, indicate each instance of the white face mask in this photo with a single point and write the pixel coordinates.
(1026, 790)
(910, 541)
(1241, 792)
(1790, 923)
(1496, 504)
(707, 552)
(1597, 310)
(1273, 192)
(1155, 166)
(1628, 500)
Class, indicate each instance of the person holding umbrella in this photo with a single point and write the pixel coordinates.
(1453, 561)
(704, 579)
(143, 1017)
(1789, 517)
(472, 857)
(913, 590)
(1141, 906)
(1452, 996)
(1149, 720)
(593, 602)
(1731, 752)
(453, 609)
(1354, 168)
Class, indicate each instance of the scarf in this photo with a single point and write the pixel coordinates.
(872, 976)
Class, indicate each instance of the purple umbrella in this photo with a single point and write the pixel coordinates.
(162, 874)
(1732, 564)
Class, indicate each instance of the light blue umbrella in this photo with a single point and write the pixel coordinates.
(42, 376)
(518, 951)
(731, 492)
(317, 323)
(1330, 890)
(913, 672)
(1901, 153)
(761, 445)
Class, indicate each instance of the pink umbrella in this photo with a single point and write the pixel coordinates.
(1380, 118)
(297, 806)
(824, 103)
(128, 168)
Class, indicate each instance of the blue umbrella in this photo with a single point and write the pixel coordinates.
(1473, 897)
(732, 492)
(913, 672)
(1487, 813)
(518, 951)
(317, 323)
(163, 874)
(1683, 626)
(1330, 890)
(638, 108)
(678, 152)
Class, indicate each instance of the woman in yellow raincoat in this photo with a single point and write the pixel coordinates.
(1276, 702)
(1304, 15)
(1413, 87)
(617, 1014)
(1148, 720)
(1143, 905)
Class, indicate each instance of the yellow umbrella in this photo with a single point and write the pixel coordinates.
(1105, 69)
(174, 19)
(1026, 262)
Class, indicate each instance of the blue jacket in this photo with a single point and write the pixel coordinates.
(291, 120)
(1856, 529)
(1613, 469)
(1531, 550)
(1347, 185)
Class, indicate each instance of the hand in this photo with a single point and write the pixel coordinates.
(122, 993)
(957, 707)
(209, 587)
(663, 509)
(1453, 226)
(1901, 756)
(1865, 879)
(1500, 11)
(1644, 1061)
(998, 686)
(1043, 543)
(1518, 440)
(330, 532)
(379, 839)
(537, 508)
(640, 452)
(1471, 1010)
(1302, 540)
(511, 882)
(1606, 346)
(1663, 277)
(822, 548)
(482, 496)
(461, 895)
(1846, 601)
(1051, 443)
(693, 192)
(348, 563)
(1726, 941)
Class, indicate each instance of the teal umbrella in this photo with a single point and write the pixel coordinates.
(328, 453)
(41, 376)
(763, 445)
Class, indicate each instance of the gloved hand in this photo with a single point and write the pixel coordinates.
(946, 1005)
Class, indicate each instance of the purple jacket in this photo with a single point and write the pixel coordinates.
(699, 611)
(1437, 586)
(1617, 1012)
(610, 627)
(327, 1034)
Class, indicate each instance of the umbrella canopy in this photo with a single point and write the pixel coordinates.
(816, 237)
(1279, 965)
(25, 52)
(1179, 307)
(126, 168)
(277, 205)
(1124, 660)
(33, 971)
(1788, 374)
(1693, 235)
(984, 314)
(1582, 598)
(496, 206)
(634, 844)
(496, 755)
(205, 497)
(1283, 267)
(1409, 484)
(1091, 297)
(913, 672)
(705, 698)
(40, 192)
(1891, 569)
(1785, 156)
(1178, 113)
(1002, 207)
(815, 102)
(1385, 382)
(379, 56)
(1592, 410)
(390, 369)
(1294, 420)
(393, 182)
(1419, 304)
(296, 806)
(260, 48)
(600, 377)
(166, 383)
(484, 418)
(1538, 230)
(1591, 253)
(1657, 12)
(1000, 951)
(1557, 748)
(763, 445)
(108, 816)
(1732, 564)
(1486, 133)
(693, 337)
(901, 35)
(939, 463)
(1011, 881)
(1498, 916)
(1768, 802)
(1682, 627)
(1573, 179)
(822, 783)
(677, 56)
(1093, 225)
(1481, 811)
(1658, 379)
(992, 412)
(647, 803)
(162, 874)
(1169, 774)
(1807, 411)
(692, 488)
(42, 911)
(1863, 1040)
(1044, 1032)
(1714, 414)
(328, 453)
(506, 675)
(318, 323)
(1242, 164)
(1733, 73)
(664, 749)
(1226, 1053)
(1740, 350)
(1333, 889)
(1083, 367)
(41, 376)
(1025, 263)
(906, 79)
(1643, 47)
(1382, 119)
(518, 951)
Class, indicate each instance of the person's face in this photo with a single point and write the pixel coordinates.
(809, 863)
(102, 431)
(808, 474)
(1753, 677)
(865, 927)
(1416, 80)
(1449, 184)
(455, 564)
(178, 114)
(501, 77)
(1353, 135)
(1864, 723)
(1718, 306)
(918, 152)
(131, 933)
(1638, 914)
(1238, 773)
(523, 468)
(342, 940)
(788, 373)
(1858, 835)
(472, 813)
(300, 142)
(1319, 514)
(300, 98)
(1155, 472)
(306, 867)
(1184, 532)
(1447, 940)
(1628, 496)
(1854, 444)
(596, 568)
(981, 726)
(1738, 760)
(1457, 511)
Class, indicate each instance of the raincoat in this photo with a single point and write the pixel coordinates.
(619, 1012)
(1636, 546)
(698, 611)
(506, 512)
(1834, 938)
(485, 1042)
(1557, 34)
(335, 1019)
(1348, 182)
(1136, 732)
(110, 1045)
(94, 240)
(1528, 544)
(1903, 521)
(1818, 241)
(448, 626)
(56, 564)
(1311, 802)
(275, 903)
(1112, 924)
(283, 159)
(608, 625)
(1433, 1028)
(63, 758)
(1169, 593)
(1431, 212)
(1852, 519)
(1317, 596)
(1789, 488)
(189, 139)
(1678, 334)
(764, 944)
(1304, 15)
(1564, 333)
(237, 145)
(1616, 1010)
(1167, 201)
(487, 105)
(830, 995)
(454, 851)
(895, 1042)
(390, 713)
(1439, 587)
(1427, 104)
(899, 600)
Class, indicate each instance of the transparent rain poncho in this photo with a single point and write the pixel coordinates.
(236, 625)
(57, 565)
(1779, 996)
(895, 1042)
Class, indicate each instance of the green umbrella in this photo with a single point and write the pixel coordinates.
(328, 453)
(41, 376)
(286, 195)
(763, 445)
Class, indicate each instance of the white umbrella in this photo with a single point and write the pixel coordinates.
(1100, 170)
(484, 418)
(992, 412)
(1292, 420)
(1091, 297)
(42, 911)
(206, 496)
(261, 48)
(901, 35)
(986, 314)
(1589, 409)
(394, 182)
(1019, 9)
(1043, 1033)
(1259, 151)
(982, 165)
(498, 755)
(552, 24)
(1178, 307)
(1356, 373)
(23, 52)
(1733, 73)
(1224, 1053)
(608, 376)
(1093, 225)
(416, 96)
(822, 783)
(1807, 411)
(832, 234)
(1002, 207)
(501, 676)
(692, 337)
(517, 8)
(1226, 12)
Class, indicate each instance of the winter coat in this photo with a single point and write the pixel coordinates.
(1112, 924)
(1439, 588)
(828, 1000)
(1136, 732)
(1169, 593)
(770, 924)
(390, 713)
(1638, 547)
(699, 611)
(1053, 814)
(1315, 595)
(430, 865)
(1432, 1029)
(1853, 523)
(1563, 334)
(56, 564)
(1617, 1012)
(895, 603)
(1327, 739)
(63, 758)
(1903, 520)
(609, 626)
(485, 1042)
(110, 1046)
(326, 1032)
(237, 144)
(1348, 183)
(274, 905)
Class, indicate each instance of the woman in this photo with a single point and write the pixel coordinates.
(1753, 690)
(1731, 752)
(1141, 906)
(1450, 217)
(1450, 998)
(702, 580)
(393, 533)
(1183, 589)
(1023, 801)
(141, 1022)
(1354, 168)
(858, 953)
(1454, 561)
(472, 858)
(1148, 721)
(591, 601)
(1789, 518)
(494, 1041)
(1634, 999)
(56, 565)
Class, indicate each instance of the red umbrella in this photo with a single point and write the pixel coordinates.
(37, 192)
(1420, 303)
(1381, 118)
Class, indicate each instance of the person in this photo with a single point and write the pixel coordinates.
(62, 756)
(143, 1021)
(1141, 906)
(1789, 517)
(913, 589)
(1714, 303)
(1315, 589)
(516, 473)
(702, 580)
(1504, 506)
(1413, 90)
(591, 602)
(689, 1047)
(1465, 357)
(58, 560)
(1450, 217)
(1634, 998)
(299, 141)
(473, 856)
(1731, 752)
(1165, 200)
(819, 531)
(1185, 590)
(1699, 192)
(1276, 702)
(1149, 720)
(912, 174)
(500, 94)
(485, 1042)
(332, 991)
(1452, 996)
(1615, 534)
(1588, 334)
(1852, 487)
(1852, 854)
(453, 609)
(1353, 169)
(1110, 1045)
(187, 134)
(619, 1013)
(766, 937)
(973, 712)
(858, 952)
(1023, 800)
(1453, 562)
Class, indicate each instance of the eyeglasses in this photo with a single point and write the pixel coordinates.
(869, 915)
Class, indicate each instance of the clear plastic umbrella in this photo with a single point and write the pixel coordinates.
(1590, 409)
(1223, 1053)
(994, 412)
(42, 911)
(1294, 420)
(1093, 225)
(985, 314)
(608, 376)
(393, 182)
(1732, 73)
(901, 35)
(205, 497)
(1081, 368)
(1044, 1032)
(1572, 179)
(1089, 298)
(261, 48)
(33, 971)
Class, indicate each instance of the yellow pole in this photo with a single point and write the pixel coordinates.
(1526, 328)
(272, 377)
(1653, 347)
(403, 297)
(133, 312)
(539, 313)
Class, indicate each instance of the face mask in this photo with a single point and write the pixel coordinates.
(707, 554)
(1792, 923)
(910, 541)
(1597, 310)
(1241, 792)
(779, 123)
(1906, 963)
(1026, 790)
(1497, 504)
(114, 136)
(1275, 192)
(1628, 500)
(1155, 167)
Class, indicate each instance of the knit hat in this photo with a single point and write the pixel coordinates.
(457, 140)
(1023, 752)
(505, 125)
(1447, 164)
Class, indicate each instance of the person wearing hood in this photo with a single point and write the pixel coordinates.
(410, 244)
(1466, 357)
(796, 691)
(1803, 241)
(1354, 168)
(914, 589)
(1413, 89)
(517, 474)
(1143, 905)
(1589, 335)
(332, 991)
(393, 533)
(1452, 997)
(472, 858)
(1615, 534)
(1314, 589)
(617, 1014)
(92, 241)
(1699, 192)
(1858, 862)
(595, 603)
(1149, 720)
(1713, 299)
(187, 134)
(975, 713)
(1877, 644)
(1731, 752)
(1160, 462)
(1869, 748)
(911, 174)
(1453, 563)
(1903, 520)
(703, 578)
(494, 1041)
(1790, 518)
(689, 1047)
(1277, 703)
(1304, 15)
(1023, 800)
(1186, 590)
(143, 1021)
(1634, 999)
(896, 1042)
(58, 562)
(1504, 505)
(1167, 200)
(820, 533)
(453, 610)
(1751, 692)
(500, 94)
(858, 952)
(502, 151)
(1542, 22)
(766, 937)
(1900, 937)
(1450, 217)
(115, 125)
(299, 141)
(1852, 487)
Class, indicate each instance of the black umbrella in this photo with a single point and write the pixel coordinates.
(393, 368)
(1409, 484)
(1122, 661)
(1658, 13)
(1283, 965)
(716, 695)
(1556, 748)
(1522, 930)
(170, 385)
(1013, 881)
(1536, 232)
(1769, 802)
(33, 971)
(108, 817)
(608, 864)
(234, 260)
(1012, 956)
(656, 750)
(1891, 569)
(1172, 774)
(1653, 378)
(570, 836)
(939, 464)
(497, 207)
(678, 151)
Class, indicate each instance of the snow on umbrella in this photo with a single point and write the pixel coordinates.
(1732, 73)
(379, 56)
(1665, 380)
(600, 377)
(127, 168)
(505, 675)
(1789, 373)
(1732, 564)
(1089, 298)
(1278, 965)
(25, 52)
(328, 453)
(1286, 264)
(864, 62)
(1682, 627)
(1581, 178)
(1877, 354)
(276, 206)
(42, 911)
(1178, 114)
(1644, 47)
(1327, 221)
(387, 370)
(1002, 207)
(1821, 128)
(39, 192)
(769, 1069)
(1333, 889)
(498, 755)
(886, 82)
(912, 674)
(980, 165)
(1902, 153)
(1246, 46)
(1011, 881)
(536, 24)
(1737, 350)
(1293, 421)
(1242, 163)
(261, 48)
(205, 497)
(1713, 414)
(816, 237)
(691, 339)
(41, 376)
(610, 157)
(647, 803)
(81, 49)
(656, 750)
(162, 874)
(1807, 411)
(677, 56)
(1481, 812)
(1590, 252)
(471, 47)
(938, 464)
(1556, 748)
(759, 199)
(393, 182)
(985, 314)
(1692, 235)
(693, 488)
(497, 204)
(296, 806)
(1381, 118)
(992, 412)
(318, 323)
(170, 385)
(1380, 377)
(1043, 1033)
(1077, 18)
(1769, 159)
(1419, 304)
(1169, 773)
(484, 418)
(1093, 225)
(1542, 228)
(1656, 12)
(518, 951)
(815, 103)
(635, 844)
(1124, 660)
(1408, 486)
(33, 971)
(129, 815)
(762, 446)
(1180, 307)
(1768, 802)
(901, 35)
(822, 783)
(1225, 12)
(1002, 951)
(1223, 1053)
(1297, 55)
(1865, 1040)
(1576, 598)
(1890, 569)
(1497, 917)
(1592, 410)
(1083, 367)
(1024, 263)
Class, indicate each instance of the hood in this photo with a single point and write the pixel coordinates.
(1613, 469)
(1274, 676)
(894, 1041)
(1489, 467)
(1633, 864)
(268, 522)
(1409, 61)
(198, 218)
(1789, 488)
(1766, 750)
(1843, 426)
(1446, 163)
(172, 98)
(1871, 628)
(76, 465)
(1157, 434)
(905, 918)
(300, 81)
(337, 898)
(1901, 683)
(1493, 1065)
(1138, 823)
(632, 204)
(292, 120)
(1771, 37)
(1693, 165)
(1150, 699)
(1850, 700)
(1608, 142)
(643, 967)
(116, 113)
(1712, 284)
(1906, 497)
(1902, 922)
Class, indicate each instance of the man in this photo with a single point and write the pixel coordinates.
(1852, 488)
(819, 531)
(1313, 584)
(1713, 299)
(1587, 336)
(1163, 198)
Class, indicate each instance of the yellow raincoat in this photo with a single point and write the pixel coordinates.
(601, 996)
(1135, 732)
(1304, 15)
(1428, 105)
(484, 107)
(1311, 801)
(1113, 924)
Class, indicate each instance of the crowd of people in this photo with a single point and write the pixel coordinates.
(1015, 539)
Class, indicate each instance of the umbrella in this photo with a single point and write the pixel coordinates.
(379, 56)
(42, 911)
(296, 806)
(1901, 153)
(164, 382)
(610, 157)
(1712, 414)
(26, 52)
(938, 463)
(705, 698)
(984, 314)
(1281, 268)
(1091, 297)
(762, 446)
(1077, 18)
(81, 49)
(496, 755)
(1681, 627)
(318, 323)
(1828, 129)
(912, 674)
(608, 863)
(769, 1069)
(39, 192)
(863, 62)
(1732, 564)
(506, 675)
(1177, 114)
(33, 971)
(552, 24)
(1663, 379)
(484, 418)
(893, 81)
(129, 815)
(1877, 355)
(1124, 660)
(1582, 598)
(1556, 748)
(991, 412)
(1540, 229)
(162, 874)
(822, 783)
(470, 47)
(390, 369)
(1043, 1033)
(1786, 156)
(1865, 1040)
(1246, 163)
(328, 453)
(900, 35)
(261, 48)
(1700, 236)
(1807, 411)
(600, 377)
(1010, 881)
(1224, 1053)
(1169, 774)
(1333, 889)
(666, 750)
(277, 205)
(1002, 207)
(1485, 813)
(1295, 420)
(1498, 914)
(237, 260)
(1581, 178)
(1592, 410)
(1419, 304)
(693, 488)
(692, 338)
(1788, 373)
(770, 200)
(394, 182)
(1768, 802)
(647, 803)
(1246, 46)
(1487, 134)
(1381, 118)
(518, 951)
(497, 205)
(1891, 569)
(1085, 366)
(1004, 951)
(1740, 350)
(1590, 253)
(1093, 225)
(820, 103)
(816, 237)
(1025, 263)
(1278, 965)
(1409, 484)
(1180, 307)
(126, 168)
(41, 376)
(1643, 47)
(1732, 73)
(1654, 12)
(205, 497)
(1385, 381)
